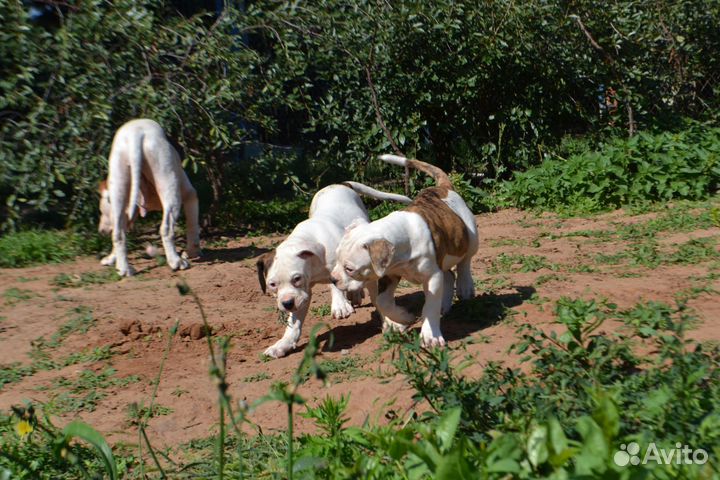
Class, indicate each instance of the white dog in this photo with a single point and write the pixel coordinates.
(421, 243)
(145, 172)
(308, 254)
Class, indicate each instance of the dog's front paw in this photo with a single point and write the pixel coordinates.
(431, 336)
(108, 260)
(179, 264)
(390, 326)
(341, 308)
(355, 297)
(279, 350)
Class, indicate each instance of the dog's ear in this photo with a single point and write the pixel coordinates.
(381, 253)
(263, 264)
(308, 250)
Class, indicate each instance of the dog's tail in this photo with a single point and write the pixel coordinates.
(135, 155)
(441, 178)
(377, 194)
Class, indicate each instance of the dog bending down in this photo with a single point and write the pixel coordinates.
(423, 243)
(145, 174)
(307, 256)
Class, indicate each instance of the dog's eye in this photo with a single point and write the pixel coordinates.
(272, 285)
(349, 270)
(296, 279)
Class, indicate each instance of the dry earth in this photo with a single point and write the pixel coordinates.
(133, 317)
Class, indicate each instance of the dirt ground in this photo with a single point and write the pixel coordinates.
(133, 317)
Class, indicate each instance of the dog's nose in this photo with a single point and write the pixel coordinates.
(288, 304)
(333, 280)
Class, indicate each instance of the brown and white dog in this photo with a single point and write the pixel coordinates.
(421, 243)
(308, 254)
(145, 173)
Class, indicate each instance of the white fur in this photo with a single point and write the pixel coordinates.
(413, 259)
(307, 256)
(140, 148)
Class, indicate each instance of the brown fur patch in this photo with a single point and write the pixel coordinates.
(263, 264)
(148, 201)
(102, 186)
(449, 234)
(385, 282)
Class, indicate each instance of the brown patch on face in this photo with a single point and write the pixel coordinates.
(381, 252)
(102, 186)
(263, 264)
(449, 234)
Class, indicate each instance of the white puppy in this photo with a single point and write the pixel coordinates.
(145, 172)
(421, 243)
(308, 254)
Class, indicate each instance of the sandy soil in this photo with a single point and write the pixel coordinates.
(133, 317)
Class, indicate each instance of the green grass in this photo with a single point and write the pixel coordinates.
(257, 377)
(43, 356)
(519, 263)
(15, 295)
(32, 247)
(321, 311)
(83, 393)
(65, 280)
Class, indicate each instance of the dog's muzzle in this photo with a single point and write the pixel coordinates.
(288, 304)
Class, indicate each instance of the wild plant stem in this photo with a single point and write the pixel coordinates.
(152, 452)
(221, 442)
(290, 437)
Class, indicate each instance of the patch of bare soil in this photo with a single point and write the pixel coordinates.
(132, 318)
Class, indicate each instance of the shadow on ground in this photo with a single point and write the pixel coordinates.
(463, 320)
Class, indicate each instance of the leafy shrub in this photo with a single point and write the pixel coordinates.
(646, 167)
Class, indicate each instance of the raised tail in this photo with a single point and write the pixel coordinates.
(441, 178)
(377, 194)
(135, 155)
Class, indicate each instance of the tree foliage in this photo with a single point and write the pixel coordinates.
(266, 98)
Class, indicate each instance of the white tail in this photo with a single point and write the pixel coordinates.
(377, 194)
(135, 154)
(394, 159)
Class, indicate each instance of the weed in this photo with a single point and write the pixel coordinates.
(65, 280)
(550, 277)
(257, 377)
(15, 295)
(84, 392)
(345, 368)
(321, 311)
(505, 263)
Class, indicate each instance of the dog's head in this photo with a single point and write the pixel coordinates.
(105, 225)
(287, 273)
(361, 257)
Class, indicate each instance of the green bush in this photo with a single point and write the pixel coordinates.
(266, 99)
(645, 168)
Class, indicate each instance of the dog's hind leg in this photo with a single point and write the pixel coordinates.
(192, 223)
(464, 284)
(448, 291)
(167, 233)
